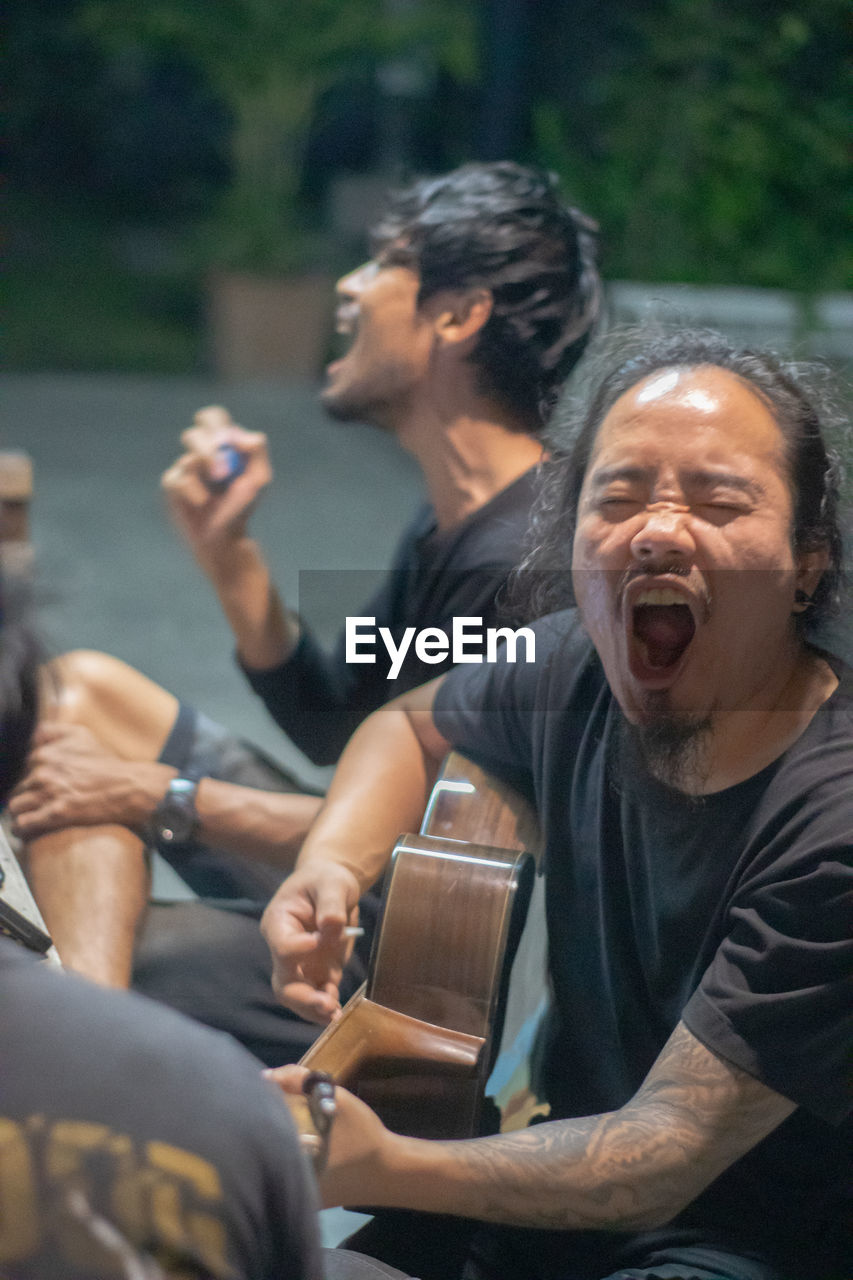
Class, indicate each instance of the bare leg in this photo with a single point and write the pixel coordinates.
(92, 883)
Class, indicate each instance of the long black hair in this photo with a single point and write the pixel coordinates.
(797, 395)
(504, 227)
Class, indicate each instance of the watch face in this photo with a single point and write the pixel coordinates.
(176, 817)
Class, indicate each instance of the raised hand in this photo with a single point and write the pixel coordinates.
(210, 509)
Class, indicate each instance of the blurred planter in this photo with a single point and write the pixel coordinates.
(269, 326)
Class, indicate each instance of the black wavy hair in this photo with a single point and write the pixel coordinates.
(798, 396)
(503, 227)
(20, 657)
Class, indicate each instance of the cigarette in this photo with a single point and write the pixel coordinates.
(353, 931)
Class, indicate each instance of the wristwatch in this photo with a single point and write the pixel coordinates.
(175, 819)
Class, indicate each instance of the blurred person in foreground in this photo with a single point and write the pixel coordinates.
(133, 1142)
(477, 302)
(689, 749)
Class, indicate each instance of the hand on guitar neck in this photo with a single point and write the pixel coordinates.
(353, 1148)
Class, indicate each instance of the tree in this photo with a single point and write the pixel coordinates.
(269, 60)
(709, 136)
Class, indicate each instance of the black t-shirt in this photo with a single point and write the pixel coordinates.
(319, 699)
(730, 911)
(125, 1123)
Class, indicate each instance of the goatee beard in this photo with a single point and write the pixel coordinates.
(673, 751)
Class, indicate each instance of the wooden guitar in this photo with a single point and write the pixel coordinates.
(417, 1041)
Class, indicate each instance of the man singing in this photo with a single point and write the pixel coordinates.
(689, 750)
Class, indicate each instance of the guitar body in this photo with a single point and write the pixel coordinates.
(417, 1041)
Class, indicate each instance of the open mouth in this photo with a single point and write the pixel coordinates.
(346, 328)
(663, 626)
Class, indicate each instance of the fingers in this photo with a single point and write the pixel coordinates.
(212, 428)
(289, 1078)
(20, 802)
(33, 805)
(29, 826)
(305, 928)
(332, 911)
(318, 1006)
(305, 976)
(185, 486)
(313, 999)
(209, 490)
(214, 417)
(31, 812)
(305, 973)
(357, 1139)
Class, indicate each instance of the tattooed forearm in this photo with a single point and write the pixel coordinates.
(636, 1167)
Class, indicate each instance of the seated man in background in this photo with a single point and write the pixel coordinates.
(689, 750)
(133, 1142)
(477, 303)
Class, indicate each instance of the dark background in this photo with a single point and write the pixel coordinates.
(155, 145)
(154, 141)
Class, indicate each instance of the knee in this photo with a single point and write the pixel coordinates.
(84, 676)
(129, 713)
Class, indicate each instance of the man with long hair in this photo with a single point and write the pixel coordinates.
(688, 745)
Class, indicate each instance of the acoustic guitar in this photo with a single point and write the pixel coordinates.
(417, 1041)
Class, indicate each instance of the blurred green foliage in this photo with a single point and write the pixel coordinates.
(269, 61)
(713, 141)
(150, 141)
(76, 299)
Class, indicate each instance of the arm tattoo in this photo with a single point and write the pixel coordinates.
(637, 1167)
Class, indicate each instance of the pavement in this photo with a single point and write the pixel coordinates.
(113, 574)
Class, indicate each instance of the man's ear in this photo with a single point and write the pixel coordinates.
(462, 315)
(811, 566)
